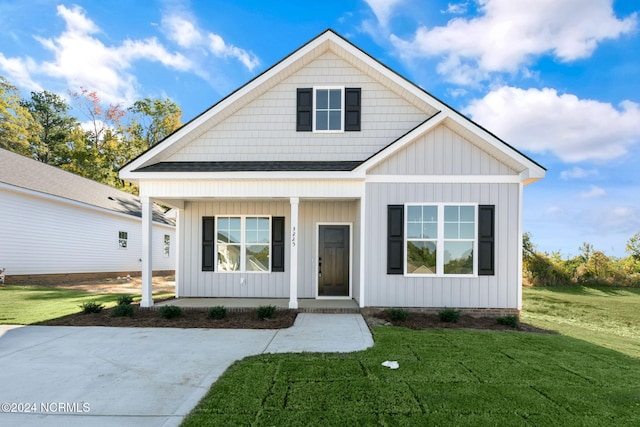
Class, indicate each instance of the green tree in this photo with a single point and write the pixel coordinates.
(154, 119)
(633, 247)
(51, 112)
(16, 123)
(99, 150)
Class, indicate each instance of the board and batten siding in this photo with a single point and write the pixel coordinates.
(441, 152)
(312, 213)
(497, 291)
(197, 283)
(265, 128)
(46, 235)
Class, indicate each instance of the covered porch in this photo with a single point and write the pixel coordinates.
(314, 204)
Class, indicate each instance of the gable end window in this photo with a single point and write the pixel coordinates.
(328, 109)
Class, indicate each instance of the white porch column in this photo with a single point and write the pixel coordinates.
(177, 253)
(363, 247)
(147, 239)
(293, 257)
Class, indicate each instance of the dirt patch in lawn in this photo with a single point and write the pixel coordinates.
(122, 285)
(190, 318)
(432, 321)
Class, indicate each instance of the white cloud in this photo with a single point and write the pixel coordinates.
(383, 9)
(19, 71)
(456, 8)
(179, 27)
(577, 173)
(593, 192)
(218, 47)
(573, 129)
(509, 34)
(181, 30)
(82, 60)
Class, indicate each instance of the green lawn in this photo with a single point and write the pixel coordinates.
(609, 317)
(25, 305)
(588, 375)
(446, 378)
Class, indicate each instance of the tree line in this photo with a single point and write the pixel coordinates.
(97, 144)
(589, 267)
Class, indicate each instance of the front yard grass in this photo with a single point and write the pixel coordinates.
(26, 305)
(604, 316)
(446, 378)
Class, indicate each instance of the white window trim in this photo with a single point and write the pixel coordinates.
(243, 244)
(342, 100)
(166, 246)
(440, 241)
(126, 240)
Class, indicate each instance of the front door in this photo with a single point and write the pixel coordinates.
(333, 261)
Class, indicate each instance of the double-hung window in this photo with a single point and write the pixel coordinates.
(243, 243)
(329, 107)
(440, 240)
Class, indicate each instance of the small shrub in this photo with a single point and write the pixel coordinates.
(509, 320)
(91, 307)
(170, 311)
(217, 312)
(397, 314)
(449, 315)
(266, 311)
(125, 299)
(122, 310)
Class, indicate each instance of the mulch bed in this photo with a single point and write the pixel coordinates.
(197, 318)
(432, 321)
(190, 318)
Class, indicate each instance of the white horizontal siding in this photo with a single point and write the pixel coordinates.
(45, 236)
(498, 291)
(441, 152)
(265, 129)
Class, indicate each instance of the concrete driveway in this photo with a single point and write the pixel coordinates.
(78, 376)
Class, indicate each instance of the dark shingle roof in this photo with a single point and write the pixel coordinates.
(23, 172)
(251, 167)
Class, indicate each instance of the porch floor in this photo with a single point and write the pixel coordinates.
(306, 305)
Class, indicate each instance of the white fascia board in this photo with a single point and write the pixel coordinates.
(444, 179)
(231, 176)
(388, 151)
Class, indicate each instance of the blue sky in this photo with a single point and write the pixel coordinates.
(557, 79)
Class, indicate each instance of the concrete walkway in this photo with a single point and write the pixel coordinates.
(78, 376)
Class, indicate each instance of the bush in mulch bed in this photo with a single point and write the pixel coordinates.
(432, 321)
(189, 318)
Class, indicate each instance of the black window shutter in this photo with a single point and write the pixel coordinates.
(352, 109)
(486, 240)
(395, 239)
(304, 116)
(208, 242)
(277, 244)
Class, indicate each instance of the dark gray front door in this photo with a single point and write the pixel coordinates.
(333, 261)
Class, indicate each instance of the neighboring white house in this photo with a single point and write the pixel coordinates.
(331, 176)
(56, 222)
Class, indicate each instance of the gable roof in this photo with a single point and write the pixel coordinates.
(28, 174)
(330, 40)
